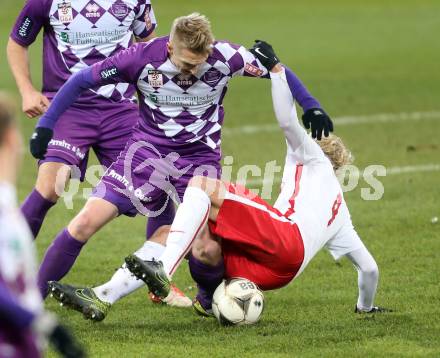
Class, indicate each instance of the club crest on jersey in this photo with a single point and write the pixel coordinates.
(155, 78)
(92, 10)
(253, 70)
(212, 76)
(119, 9)
(65, 13)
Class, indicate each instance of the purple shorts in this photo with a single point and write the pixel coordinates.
(145, 177)
(105, 129)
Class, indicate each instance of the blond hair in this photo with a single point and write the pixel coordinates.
(336, 151)
(193, 32)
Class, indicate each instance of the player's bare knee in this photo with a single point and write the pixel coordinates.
(161, 234)
(82, 226)
(47, 190)
(198, 181)
(214, 188)
(52, 179)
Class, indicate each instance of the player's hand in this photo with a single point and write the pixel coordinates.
(265, 53)
(39, 141)
(47, 328)
(34, 103)
(318, 121)
(65, 343)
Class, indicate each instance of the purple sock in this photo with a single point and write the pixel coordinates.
(165, 218)
(59, 258)
(207, 278)
(34, 209)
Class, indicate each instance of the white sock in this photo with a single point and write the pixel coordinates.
(191, 217)
(368, 276)
(123, 282)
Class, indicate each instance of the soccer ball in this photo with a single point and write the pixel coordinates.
(237, 301)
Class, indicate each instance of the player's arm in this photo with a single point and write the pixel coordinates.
(299, 143)
(145, 22)
(23, 34)
(314, 116)
(123, 67)
(285, 110)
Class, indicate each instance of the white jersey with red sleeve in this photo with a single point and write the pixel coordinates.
(311, 195)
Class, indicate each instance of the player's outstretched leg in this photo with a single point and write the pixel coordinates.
(62, 253)
(124, 283)
(52, 177)
(152, 273)
(81, 299)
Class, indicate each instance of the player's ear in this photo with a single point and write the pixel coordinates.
(169, 47)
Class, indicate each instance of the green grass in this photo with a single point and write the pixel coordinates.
(357, 58)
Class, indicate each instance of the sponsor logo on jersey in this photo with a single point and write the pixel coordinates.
(212, 76)
(25, 27)
(184, 101)
(253, 70)
(153, 98)
(184, 80)
(65, 13)
(155, 78)
(92, 10)
(119, 10)
(64, 36)
(109, 72)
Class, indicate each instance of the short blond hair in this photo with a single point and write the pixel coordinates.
(193, 32)
(336, 151)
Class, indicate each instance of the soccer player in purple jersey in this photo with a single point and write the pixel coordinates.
(181, 81)
(24, 325)
(77, 34)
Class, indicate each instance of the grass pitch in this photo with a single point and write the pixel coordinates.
(357, 59)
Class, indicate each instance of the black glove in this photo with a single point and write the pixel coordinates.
(65, 343)
(265, 53)
(319, 121)
(39, 141)
(47, 328)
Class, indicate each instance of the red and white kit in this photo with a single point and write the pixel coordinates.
(272, 245)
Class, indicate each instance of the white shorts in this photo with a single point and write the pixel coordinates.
(344, 242)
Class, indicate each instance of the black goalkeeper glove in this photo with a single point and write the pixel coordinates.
(319, 121)
(265, 53)
(39, 142)
(47, 328)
